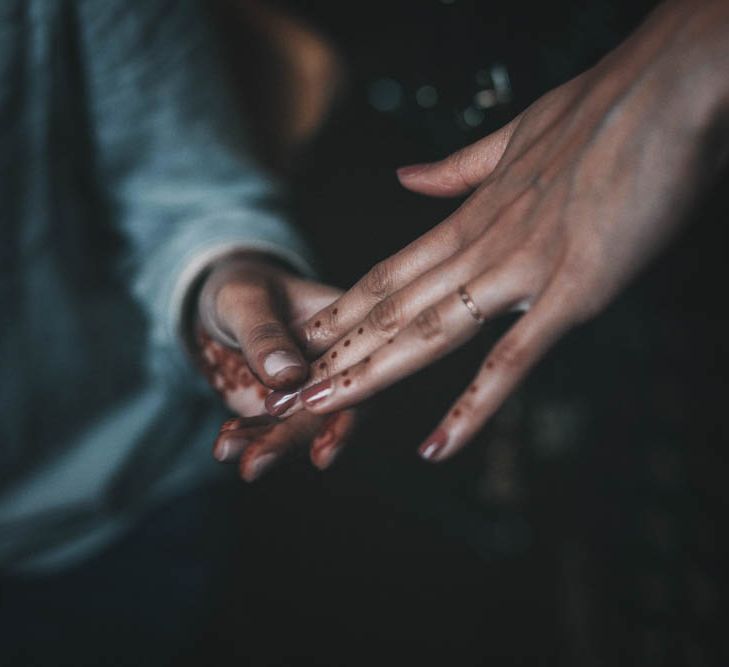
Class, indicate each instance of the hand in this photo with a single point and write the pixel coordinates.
(569, 201)
(249, 301)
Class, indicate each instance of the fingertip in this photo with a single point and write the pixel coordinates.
(255, 464)
(278, 402)
(433, 449)
(284, 369)
(411, 170)
(324, 457)
(229, 446)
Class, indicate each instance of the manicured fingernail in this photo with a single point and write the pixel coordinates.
(281, 360)
(434, 445)
(317, 392)
(277, 402)
(259, 466)
(411, 170)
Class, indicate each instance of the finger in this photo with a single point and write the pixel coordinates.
(461, 171)
(504, 368)
(327, 326)
(306, 298)
(331, 438)
(276, 444)
(433, 333)
(388, 317)
(236, 434)
(229, 374)
(250, 312)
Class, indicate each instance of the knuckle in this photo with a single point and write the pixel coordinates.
(378, 280)
(579, 292)
(509, 354)
(323, 369)
(266, 333)
(456, 232)
(385, 317)
(428, 324)
(360, 373)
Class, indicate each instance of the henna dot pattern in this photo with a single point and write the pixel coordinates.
(334, 354)
(347, 342)
(360, 331)
(347, 382)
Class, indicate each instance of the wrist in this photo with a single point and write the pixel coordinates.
(692, 57)
(673, 70)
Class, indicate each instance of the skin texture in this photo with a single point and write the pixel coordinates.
(568, 203)
(252, 303)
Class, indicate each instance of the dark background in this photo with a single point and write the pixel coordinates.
(585, 526)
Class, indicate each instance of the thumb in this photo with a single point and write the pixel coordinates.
(461, 171)
(243, 306)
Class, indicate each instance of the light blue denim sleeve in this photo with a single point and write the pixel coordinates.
(173, 156)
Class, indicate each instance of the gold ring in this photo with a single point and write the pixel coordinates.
(472, 307)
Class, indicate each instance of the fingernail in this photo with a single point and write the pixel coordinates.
(230, 448)
(280, 361)
(326, 457)
(277, 402)
(411, 170)
(434, 445)
(260, 465)
(317, 392)
(222, 452)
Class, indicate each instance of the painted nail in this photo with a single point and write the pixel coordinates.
(260, 465)
(434, 445)
(412, 169)
(280, 361)
(317, 392)
(277, 402)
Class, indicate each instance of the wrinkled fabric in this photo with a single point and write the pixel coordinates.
(125, 172)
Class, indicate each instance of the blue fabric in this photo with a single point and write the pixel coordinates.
(125, 171)
(145, 602)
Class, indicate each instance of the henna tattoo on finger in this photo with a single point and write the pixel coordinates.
(226, 370)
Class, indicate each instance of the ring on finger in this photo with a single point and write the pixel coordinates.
(469, 303)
